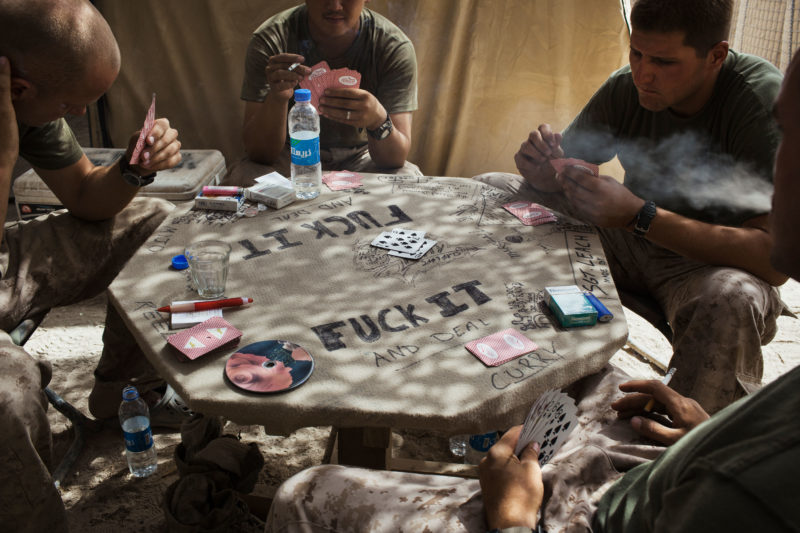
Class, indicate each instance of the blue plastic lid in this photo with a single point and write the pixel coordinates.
(179, 262)
(302, 95)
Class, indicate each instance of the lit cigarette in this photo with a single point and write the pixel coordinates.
(665, 381)
(294, 66)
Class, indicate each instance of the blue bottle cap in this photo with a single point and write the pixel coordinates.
(179, 262)
(302, 95)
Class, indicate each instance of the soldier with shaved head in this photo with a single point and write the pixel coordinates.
(57, 57)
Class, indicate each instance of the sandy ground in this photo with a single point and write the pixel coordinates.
(100, 494)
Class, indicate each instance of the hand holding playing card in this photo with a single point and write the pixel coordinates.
(534, 155)
(355, 107)
(511, 486)
(601, 200)
(685, 413)
(156, 146)
(550, 420)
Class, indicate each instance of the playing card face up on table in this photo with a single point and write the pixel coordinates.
(405, 243)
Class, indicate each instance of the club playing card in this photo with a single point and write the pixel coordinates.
(149, 121)
(561, 164)
(397, 243)
(549, 422)
(500, 347)
(408, 233)
(529, 213)
(205, 337)
(337, 181)
(427, 244)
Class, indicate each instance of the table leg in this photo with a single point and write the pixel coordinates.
(365, 447)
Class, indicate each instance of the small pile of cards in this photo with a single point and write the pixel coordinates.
(322, 77)
(341, 180)
(529, 213)
(500, 347)
(403, 242)
(550, 420)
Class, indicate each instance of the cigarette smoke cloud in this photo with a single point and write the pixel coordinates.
(686, 174)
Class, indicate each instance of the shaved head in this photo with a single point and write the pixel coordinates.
(52, 43)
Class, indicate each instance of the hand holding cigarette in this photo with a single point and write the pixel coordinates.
(684, 413)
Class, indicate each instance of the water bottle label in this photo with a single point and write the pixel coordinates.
(482, 443)
(139, 441)
(305, 151)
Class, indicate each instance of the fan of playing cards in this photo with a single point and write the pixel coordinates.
(322, 77)
(550, 420)
(405, 243)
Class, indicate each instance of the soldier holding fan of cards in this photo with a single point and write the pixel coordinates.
(688, 231)
(56, 57)
(362, 129)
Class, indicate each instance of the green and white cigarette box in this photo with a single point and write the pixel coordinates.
(570, 306)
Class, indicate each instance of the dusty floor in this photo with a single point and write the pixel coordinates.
(100, 495)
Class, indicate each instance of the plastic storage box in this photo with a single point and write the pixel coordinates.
(180, 184)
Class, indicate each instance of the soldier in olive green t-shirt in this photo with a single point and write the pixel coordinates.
(361, 129)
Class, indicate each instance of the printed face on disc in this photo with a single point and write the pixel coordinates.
(269, 366)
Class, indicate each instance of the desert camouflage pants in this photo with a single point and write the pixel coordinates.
(243, 172)
(720, 316)
(47, 262)
(343, 499)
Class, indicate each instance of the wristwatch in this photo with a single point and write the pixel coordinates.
(382, 131)
(131, 176)
(644, 218)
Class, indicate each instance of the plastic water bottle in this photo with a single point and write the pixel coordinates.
(304, 142)
(478, 446)
(139, 447)
(458, 445)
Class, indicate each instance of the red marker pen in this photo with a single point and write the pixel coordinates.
(204, 306)
(221, 190)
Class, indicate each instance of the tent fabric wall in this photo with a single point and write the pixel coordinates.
(490, 71)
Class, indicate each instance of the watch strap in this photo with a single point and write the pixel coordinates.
(643, 219)
(131, 176)
(382, 131)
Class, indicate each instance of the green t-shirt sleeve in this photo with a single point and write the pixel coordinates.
(254, 86)
(51, 147)
(592, 135)
(397, 90)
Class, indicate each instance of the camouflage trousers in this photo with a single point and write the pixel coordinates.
(243, 172)
(720, 316)
(51, 261)
(343, 499)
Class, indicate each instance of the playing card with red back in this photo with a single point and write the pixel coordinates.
(149, 122)
(312, 83)
(500, 347)
(529, 213)
(205, 337)
(341, 180)
(345, 78)
(561, 164)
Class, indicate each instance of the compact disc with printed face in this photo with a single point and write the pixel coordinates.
(269, 366)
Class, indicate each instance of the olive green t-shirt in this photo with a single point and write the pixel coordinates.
(715, 166)
(381, 53)
(51, 146)
(738, 471)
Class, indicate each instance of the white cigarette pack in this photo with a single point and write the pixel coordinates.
(274, 196)
(219, 203)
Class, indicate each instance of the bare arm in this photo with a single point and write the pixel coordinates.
(265, 123)
(607, 203)
(9, 139)
(97, 193)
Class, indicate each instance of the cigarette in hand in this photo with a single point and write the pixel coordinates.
(665, 381)
(293, 66)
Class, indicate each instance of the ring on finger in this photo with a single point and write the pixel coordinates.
(347, 116)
